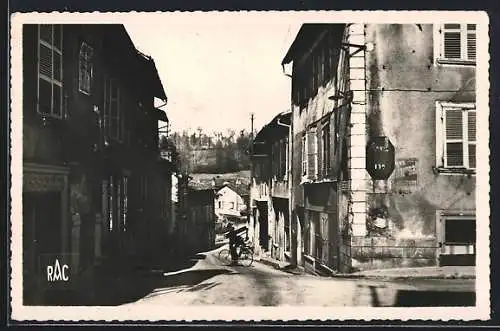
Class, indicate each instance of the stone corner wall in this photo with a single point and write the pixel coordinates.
(382, 252)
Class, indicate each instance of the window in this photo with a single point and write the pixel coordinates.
(50, 84)
(325, 154)
(315, 156)
(220, 204)
(456, 135)
(231, 205)
(112, 110)
(279, 152)
(312, 154)
(85, 68)
(304, 155)
(457, 43)
(284, 158)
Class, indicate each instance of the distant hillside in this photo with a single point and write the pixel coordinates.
(214, 153)
(239, 180)
(243, 175)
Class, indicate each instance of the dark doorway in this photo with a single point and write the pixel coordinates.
(42, 216)
(42, 233)
(263, 225)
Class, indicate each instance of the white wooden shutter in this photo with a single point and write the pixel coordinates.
(471, 41)
(312, 146)
(454, 146)
(452, 41)
(45, 58)
(304, 155)
(471, 137)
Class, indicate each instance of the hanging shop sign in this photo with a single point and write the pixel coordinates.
(380, 158)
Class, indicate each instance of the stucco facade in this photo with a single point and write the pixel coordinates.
(401, 83)
(406, 82)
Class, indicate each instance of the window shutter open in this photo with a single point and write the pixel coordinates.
(311, 154)
(333, 143)
(458, 41)
(471, 41)
(304, 155)
(471, 133)
(453, 124)
(454, 137)
(471, 128)
(452, 48)
(319, 155)
(45, 61)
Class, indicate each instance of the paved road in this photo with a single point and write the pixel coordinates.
(210, 282)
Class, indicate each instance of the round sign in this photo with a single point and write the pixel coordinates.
(380, 158)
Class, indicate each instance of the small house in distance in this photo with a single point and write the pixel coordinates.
(231, 203)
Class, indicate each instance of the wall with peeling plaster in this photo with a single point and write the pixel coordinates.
(403, 85)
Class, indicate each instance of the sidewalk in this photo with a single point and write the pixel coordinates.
(447, 272)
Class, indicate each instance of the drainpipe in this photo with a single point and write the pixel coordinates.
(289, 182)
(291, 219)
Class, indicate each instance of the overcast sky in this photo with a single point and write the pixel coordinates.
(216, 71)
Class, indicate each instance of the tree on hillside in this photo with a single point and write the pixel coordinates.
(224, 152)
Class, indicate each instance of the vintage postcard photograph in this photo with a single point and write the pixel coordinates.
(250, 166)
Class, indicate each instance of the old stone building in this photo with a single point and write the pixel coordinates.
(270, 190)
(383, 144)
(94, 188)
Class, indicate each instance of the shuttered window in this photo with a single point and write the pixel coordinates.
(50, 96)
(85, 68)
(304, 155)
(458, 42)
(458, 123)
(325, 155)
(312, 154)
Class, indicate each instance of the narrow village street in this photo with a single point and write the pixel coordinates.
(340, 155)
(210, 282)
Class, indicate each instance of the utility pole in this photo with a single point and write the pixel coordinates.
(251, 132)
(249, 206)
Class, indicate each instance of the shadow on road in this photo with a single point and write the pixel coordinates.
(116, 287)
(406, 298)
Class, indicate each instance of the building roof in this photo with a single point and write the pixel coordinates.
(241, 189)
(305, 38)
(154, 77)
(272, 131)
(142, 65)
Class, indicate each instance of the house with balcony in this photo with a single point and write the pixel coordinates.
(358, 203)
(95, 190)
(269, 219)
